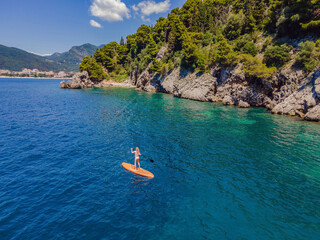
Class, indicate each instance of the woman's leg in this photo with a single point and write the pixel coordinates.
(139, 163)
(135, 163)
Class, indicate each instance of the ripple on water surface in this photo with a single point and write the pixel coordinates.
(220, 172)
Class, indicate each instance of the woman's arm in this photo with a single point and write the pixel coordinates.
(133, 151)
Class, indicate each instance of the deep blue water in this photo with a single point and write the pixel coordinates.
(220, 172)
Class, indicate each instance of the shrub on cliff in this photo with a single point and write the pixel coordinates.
(190, 52)
(312, 25)
(245, 45)
(277, 56)
(202, 61)
(207, 39)
(94, 70)
(170, 65)
(235, 25)
(224, 53)
(253, 67)
(250, 48)
(164, 69)
(156, 66)
(309, 56)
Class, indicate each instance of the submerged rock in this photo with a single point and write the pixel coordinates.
(228, 100)
(243, 104)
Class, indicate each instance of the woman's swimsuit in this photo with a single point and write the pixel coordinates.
(136, 157)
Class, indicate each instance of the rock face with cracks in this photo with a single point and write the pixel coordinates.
(304, 102)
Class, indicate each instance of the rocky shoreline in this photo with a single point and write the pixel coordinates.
(289, 92)
(82, 80)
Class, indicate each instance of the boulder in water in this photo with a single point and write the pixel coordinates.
(79, 80)
(313, 114)
(63, 84)
(243, 104)
(228, 100)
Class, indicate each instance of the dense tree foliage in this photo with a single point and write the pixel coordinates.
(94, 70)
(276, 56)
(309, 56)
(204, 33)
(255, 68)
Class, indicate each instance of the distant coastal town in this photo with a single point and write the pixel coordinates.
(35, 73)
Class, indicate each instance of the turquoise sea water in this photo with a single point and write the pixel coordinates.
(220, 172)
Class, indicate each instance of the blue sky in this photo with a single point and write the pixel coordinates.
(48, 26)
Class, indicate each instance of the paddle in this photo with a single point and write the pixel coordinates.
(148, 158)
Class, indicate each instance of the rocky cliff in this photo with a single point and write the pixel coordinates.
(289, 92)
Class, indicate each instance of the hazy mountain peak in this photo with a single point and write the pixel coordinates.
(15, 59)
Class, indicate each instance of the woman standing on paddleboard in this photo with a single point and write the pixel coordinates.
(136, 156)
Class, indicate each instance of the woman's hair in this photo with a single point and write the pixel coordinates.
(138, 150)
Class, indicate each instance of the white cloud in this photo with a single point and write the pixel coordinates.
(93, 23)
(146, 19)
(109, 10)
(149, 7)
(135, 8)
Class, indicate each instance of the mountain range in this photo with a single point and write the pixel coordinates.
(15, 59)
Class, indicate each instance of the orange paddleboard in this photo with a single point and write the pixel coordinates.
(138, 171)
